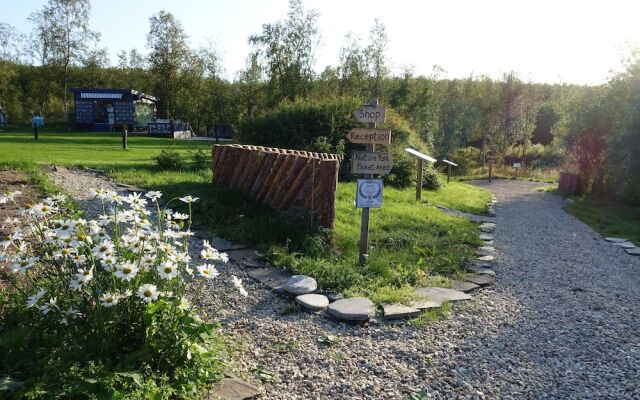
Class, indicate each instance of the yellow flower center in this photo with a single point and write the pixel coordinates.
(147, 293)
(126, 270)
(103, 249)
(168, 270)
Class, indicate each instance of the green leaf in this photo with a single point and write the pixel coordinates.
(14, 338)
(137, 378)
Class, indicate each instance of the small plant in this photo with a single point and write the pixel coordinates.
(328, 340)
(286, 347)
(200, 160)
(292, 308)
(264, 374)
(169, 160)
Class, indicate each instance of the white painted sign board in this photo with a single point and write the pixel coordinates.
(416, 153)
(517, 165)
(450, 163)
(371, 115)
(364, 162)
(369, 193)
(369, 136)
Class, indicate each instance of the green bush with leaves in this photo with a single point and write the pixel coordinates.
(99, 308)
(169, 160)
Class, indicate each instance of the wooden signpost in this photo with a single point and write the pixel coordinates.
(369, 163)
(421, 159)
(449, 165)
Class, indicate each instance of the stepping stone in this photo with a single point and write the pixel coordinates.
(488, 242)
(482, 264)
(463, 286)
(615, 240)
(486, 237)
(491, 212)
(489, 249)
(313, 302)
(488, 227)
(633, 252)
(424, 304)
(334, 297)
(244, 255)
(480, 270)
(225, 245)
(300, 284)
(439, 294)
(254, 264)
(233, 389)
(626, 245)
(486, 258)
(353, 309)
(270, 276)
(398, 311)
(481, 280)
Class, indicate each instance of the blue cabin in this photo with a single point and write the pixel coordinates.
(113, 109)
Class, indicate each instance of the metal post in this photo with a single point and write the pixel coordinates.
(364, 223)
(419, 179)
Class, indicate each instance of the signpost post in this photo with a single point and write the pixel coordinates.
(421, 159)
(449, 165)
(517, 166)
(37, 122)
(369, 163)
(490, 162)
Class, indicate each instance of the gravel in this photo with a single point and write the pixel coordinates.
(561, 321)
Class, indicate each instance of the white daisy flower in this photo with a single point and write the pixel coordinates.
(126, 271)
(189, 199)
(153, 195)
(209, 271)
(167, 270)
(84, 275)
(102, 249)
(32, 300)
(75, 284)
(184, 304)
(148, 293)
(109, 299)
(237, 282)
(48, 306)
(9, 197)
(180, 216)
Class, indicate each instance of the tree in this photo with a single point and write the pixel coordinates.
(288, 49)
(376, 58)
(67, 39)
(250, 82)
(167, 42)
(352, 71)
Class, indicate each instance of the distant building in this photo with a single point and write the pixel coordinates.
(3, 118)
(112, 109)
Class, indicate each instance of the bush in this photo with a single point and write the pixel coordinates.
(200, 159)
(467, 158)
(430, 179)
(169, 160)
(97, 308)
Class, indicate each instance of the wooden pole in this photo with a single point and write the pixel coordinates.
(419, 179)
(364, 223)
(448, 172)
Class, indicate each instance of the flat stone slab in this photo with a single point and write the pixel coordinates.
(243, 256)
(353, 309)
(439, 294)
(480, 270)
(270, 276)
(486, 237)
(465, 287)
(482, 264)
(334, 297)
(481, 280)
(313, 302)
(300, 284)
(486, 258)
(234, 389)
(626, 245)
(488, 249)
(488, 242)
(398, 311)
(615, 240)
(225, 245)
(633, 252)
(488, 227)
(424, 304)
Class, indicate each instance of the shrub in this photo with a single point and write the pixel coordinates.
(169, 160)
(98, 309)
(430, 179)
(200, 159)
(467, 158)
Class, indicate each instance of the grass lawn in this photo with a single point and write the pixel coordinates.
(89, 149)
(609, 219)
(412, 243)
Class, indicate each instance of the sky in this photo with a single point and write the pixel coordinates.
(566, 41)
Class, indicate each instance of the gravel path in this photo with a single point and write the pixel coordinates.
(561, 322)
